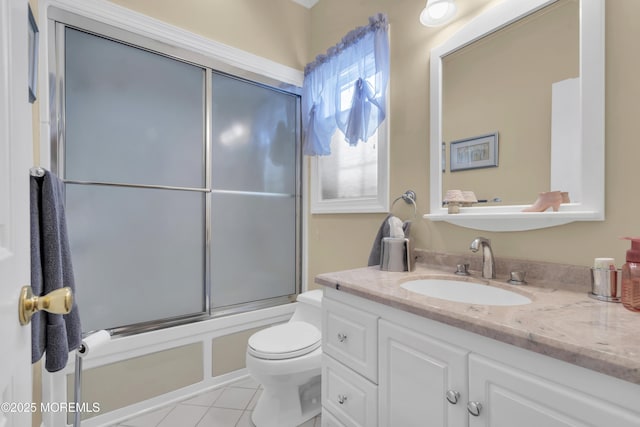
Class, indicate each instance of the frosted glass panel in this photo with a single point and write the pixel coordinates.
(253, 252)
(350, 171)
(138, 253)
(254, 137)
(132, 116)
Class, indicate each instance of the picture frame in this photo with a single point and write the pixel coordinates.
(34, 40)
(474, 153)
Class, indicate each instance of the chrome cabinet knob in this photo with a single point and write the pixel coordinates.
(474, 408)
(453, 396)
(342, 337)
(341, 399)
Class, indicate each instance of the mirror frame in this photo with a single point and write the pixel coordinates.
(592, 125)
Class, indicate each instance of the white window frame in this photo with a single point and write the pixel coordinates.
(375, 204)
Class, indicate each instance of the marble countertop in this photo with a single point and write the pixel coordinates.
(563, 324)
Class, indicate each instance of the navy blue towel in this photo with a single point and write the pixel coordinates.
(51, 269)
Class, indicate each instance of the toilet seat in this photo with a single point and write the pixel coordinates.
(286, 341)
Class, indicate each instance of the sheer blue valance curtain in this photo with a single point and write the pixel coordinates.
(345, 88)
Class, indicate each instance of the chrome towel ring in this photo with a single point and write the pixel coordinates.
(409, 197)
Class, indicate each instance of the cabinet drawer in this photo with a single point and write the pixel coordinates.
(348, 396)
(350, 335)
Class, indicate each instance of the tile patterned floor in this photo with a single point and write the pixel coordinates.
(228, 406)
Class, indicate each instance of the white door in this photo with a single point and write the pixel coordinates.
(511, 397)
(16, 149)
(422, 382)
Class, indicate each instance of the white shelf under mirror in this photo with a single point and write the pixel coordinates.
(510, 218)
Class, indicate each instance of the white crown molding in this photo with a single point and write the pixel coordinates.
(307, 3)
(127, 19)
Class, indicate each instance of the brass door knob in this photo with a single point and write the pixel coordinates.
(59, 301)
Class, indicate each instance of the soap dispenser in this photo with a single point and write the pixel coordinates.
(631, 276)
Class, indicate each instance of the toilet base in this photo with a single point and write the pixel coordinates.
(288, 406)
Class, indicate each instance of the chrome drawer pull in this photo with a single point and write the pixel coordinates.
(341, 399)
(342, 337)
(453, 396)
(474, 408)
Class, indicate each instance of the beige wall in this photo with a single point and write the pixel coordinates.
(228, 352)
(125, 383)
(343, 241)
(274, 29)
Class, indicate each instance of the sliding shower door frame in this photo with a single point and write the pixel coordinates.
(59, 21)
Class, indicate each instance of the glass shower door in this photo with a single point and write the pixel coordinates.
(254, 225)
(135, 182)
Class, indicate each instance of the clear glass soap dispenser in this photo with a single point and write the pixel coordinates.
(631, 276)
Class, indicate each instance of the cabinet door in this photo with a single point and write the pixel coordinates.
(416, 372)
(512, 397)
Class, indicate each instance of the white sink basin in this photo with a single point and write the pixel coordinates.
(467, 292)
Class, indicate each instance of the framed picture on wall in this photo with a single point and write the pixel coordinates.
(33, 56)
(473, 153)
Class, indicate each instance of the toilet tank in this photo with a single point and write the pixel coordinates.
(309, 308)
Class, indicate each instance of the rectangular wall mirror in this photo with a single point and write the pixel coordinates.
(532, 72)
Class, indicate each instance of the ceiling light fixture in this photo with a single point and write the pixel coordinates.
(438, 12)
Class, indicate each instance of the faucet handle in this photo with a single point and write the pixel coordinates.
(517, 278)
(462, 269)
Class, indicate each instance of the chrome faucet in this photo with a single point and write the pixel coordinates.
(488, 263)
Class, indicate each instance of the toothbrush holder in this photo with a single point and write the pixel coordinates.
(606, 284)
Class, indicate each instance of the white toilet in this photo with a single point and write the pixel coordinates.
(285, 359)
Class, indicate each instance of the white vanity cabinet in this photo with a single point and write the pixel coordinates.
(429, 373)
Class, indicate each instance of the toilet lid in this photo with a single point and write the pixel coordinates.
(284, 341)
